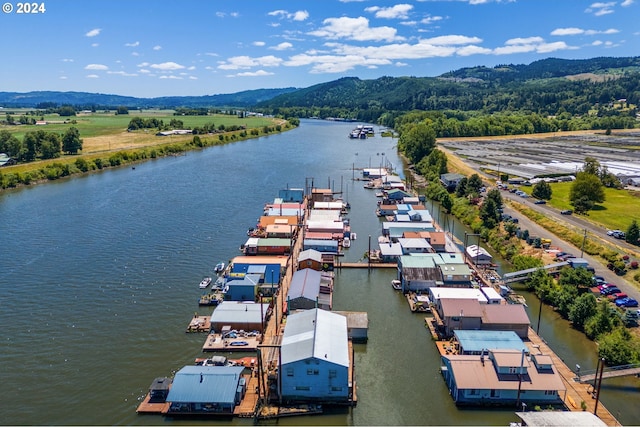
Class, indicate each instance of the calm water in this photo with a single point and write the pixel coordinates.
(100, 273)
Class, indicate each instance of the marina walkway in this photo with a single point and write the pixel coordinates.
(612, 372)
(576, 392)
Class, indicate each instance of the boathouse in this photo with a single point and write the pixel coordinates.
(390, 252)
(414, 246)
(501, 378)
(267, 246)
(396, 195)
(324, 246)
(206, 390)
(310, 259)
(357, 325)
(419, 273)
(242, 289)
(304, 291)
(374, 173)
(478, 255)
(315, 358)
(248, 316)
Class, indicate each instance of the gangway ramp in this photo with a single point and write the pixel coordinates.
(611, 372)
(517, 276)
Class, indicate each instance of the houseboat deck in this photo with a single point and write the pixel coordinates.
(215, 342)
(199, 324)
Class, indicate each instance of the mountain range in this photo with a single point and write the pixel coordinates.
(468, 89)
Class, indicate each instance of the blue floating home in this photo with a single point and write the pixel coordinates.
(315, 358)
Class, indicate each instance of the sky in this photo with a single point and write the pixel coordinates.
(153, 48)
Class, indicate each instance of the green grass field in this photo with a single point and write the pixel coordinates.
(618, 210)
(106, 123)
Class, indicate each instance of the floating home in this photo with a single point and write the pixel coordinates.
(210, 390)
(468, 342)
(503, 377)
(305, 291)
(247, 316)
(267, 246)
(315, 358)
(478, 255)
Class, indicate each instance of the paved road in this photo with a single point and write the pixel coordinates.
(556, 242)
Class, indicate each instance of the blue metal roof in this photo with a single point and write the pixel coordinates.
(205, 384)
(476, 341)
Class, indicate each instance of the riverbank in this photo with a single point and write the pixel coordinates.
(123, 149)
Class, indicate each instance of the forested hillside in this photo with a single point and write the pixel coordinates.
(545, 88)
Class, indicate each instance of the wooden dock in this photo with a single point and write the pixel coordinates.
(366, 265)
(215, 342)
(199, 324)
(576, 392)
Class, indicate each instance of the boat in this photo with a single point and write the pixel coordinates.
(205, 282)
(219, 267)
(396, 284)
(346, 242)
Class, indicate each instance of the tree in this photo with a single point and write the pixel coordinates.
(579, 278)
(584, 307)
(417, 142)
(446, 202)
(617, 348)
(542, 190)
(489, 213)
(121, 110)
(9, 144)
(474, 184)
(461, 188)
(591, 166)
(585, 192)
(71, 142)
(66, 111)
(51, 146)
(633, 233)
(495, 194)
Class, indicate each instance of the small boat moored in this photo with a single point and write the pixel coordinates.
(205, 282)
(396, 284)
(219, 268)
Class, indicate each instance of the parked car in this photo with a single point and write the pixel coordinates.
(612, 232)
(540, 202)
(599, 280)
(619, 235)
(617, 296)
(626, 302)
(566, 212)
(610, 290)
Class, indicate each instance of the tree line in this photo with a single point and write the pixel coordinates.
(40, 144)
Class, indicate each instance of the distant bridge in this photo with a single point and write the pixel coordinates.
(518, 276)
(610, 372)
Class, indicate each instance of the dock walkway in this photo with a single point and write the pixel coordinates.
(576, 392)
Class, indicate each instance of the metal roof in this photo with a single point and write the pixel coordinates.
(237, 311)
(476, 341)
(316, 334)
(305, 283)
(561, 418)
(205, 384)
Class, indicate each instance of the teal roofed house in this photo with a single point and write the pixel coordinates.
(206, 390)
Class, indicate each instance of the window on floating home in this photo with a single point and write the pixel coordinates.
(308, 263)
(332, 373)
(309, 371)
(550, 392)
(513, 370)
(336, 388)
(495, 393)
(473, 391)
(289, 372)
(316, 372)
(303, 388)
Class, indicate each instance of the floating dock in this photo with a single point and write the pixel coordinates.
(215, 342)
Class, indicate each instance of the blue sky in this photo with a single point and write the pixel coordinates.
(150, 48)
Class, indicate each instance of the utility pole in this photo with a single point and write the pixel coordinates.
(584, 239)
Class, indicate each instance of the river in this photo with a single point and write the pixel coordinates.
(100, 278)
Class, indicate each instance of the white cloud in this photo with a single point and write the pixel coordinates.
(99, 67)
(246, 62)
(572, 31)
(67, 60)
(167, 66)
(171, 76)
(93, 76)
(94, 45)
(259, 43)
(94, 32)
(157, 47)
(354, 29)
(134, 44)
(473, 50)
(258, 73)
(524, 41)
(530, 44)
(451, 40)
(300, 15)
(430, 19)
(600, 8)
(282, 46)
(399, 11)
(596, 43)
(122, 73)
(63, 77)
(626, 3)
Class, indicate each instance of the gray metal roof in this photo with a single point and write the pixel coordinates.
(205, 384)
(560, 418)
(238, 312)
(316, 334)
(305, 283)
